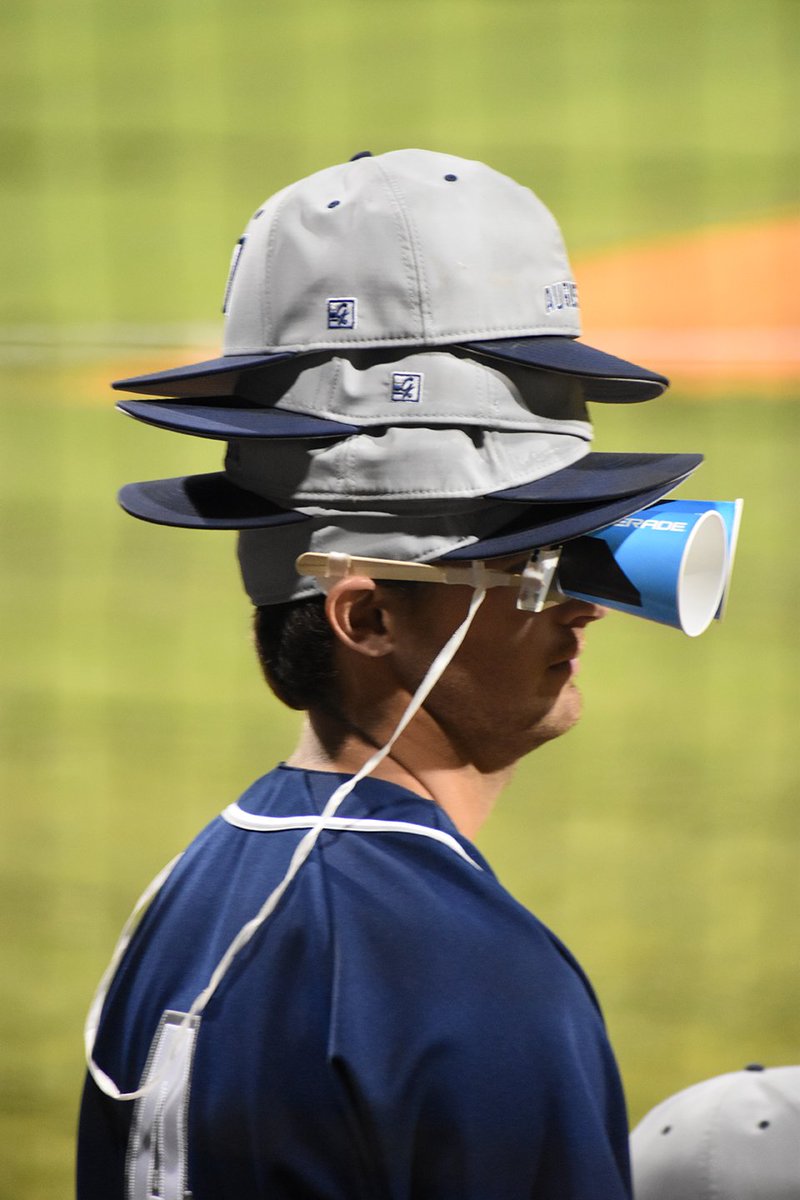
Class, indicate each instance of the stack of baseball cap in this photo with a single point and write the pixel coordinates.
(401, 378)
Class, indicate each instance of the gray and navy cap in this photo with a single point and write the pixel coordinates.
(408, 248)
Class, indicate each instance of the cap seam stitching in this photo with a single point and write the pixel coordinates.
(416, 257)
(451, 419)
(411, 273)
(442, 337)
(265, 298)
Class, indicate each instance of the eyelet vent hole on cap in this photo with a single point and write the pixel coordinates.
(451, 178)
(667, 1129)
(334, 204)
(763, 1124)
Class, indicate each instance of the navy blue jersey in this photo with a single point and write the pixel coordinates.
(400, 1029)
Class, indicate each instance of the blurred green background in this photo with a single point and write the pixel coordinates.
(660, 838)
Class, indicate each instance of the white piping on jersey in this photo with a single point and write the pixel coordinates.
(237, 816)
(301, 852)
(103, 1081)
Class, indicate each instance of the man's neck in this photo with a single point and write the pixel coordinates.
(465, 793)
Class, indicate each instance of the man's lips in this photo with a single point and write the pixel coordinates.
(568, 660)
(569, 666)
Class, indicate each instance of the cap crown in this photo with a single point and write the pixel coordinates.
(733, 1137)
(406, 248)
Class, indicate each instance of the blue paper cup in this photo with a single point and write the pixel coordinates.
(731, 513)
(668, 563)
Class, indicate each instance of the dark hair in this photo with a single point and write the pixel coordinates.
(295, 648)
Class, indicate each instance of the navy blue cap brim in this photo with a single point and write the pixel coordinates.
(200, 379)
(226, 421)
(212, 501)
(202, 502)
(604, 377)
(552, 524)
(603, 476)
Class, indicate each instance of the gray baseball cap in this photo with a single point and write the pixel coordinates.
(733, 1137)
(405, 492)
(312, 397)
(412, 249)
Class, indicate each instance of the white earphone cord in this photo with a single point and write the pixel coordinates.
(301, 853)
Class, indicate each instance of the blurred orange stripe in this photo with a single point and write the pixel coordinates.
(722, 302)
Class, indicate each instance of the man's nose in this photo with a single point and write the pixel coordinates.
(578, 613)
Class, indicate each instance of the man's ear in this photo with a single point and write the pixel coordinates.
(357, 615)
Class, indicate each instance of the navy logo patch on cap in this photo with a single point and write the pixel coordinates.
(342, 313)
(407, 386)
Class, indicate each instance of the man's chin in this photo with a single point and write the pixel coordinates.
(563, 715)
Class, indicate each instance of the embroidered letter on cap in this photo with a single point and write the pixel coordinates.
(407, 386)
(563, 294)
(342, 313)
(237, 253)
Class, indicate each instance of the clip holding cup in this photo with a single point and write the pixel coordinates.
(537, 579)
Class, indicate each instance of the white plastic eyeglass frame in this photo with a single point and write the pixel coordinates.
(535, 583)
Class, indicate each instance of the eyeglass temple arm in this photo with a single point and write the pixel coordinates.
(534, 582)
